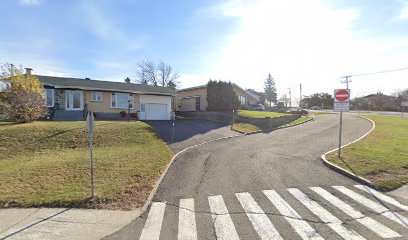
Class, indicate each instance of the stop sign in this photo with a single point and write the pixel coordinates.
(342, 95)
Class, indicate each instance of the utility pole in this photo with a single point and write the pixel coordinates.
(346, 81)
(300, 99)
(290, 98)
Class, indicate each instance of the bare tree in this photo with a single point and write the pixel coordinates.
(162, 74)
(167, 76)
(147, 72)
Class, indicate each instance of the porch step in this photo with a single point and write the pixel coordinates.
(61, 115)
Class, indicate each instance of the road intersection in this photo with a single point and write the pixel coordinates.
(268, 186)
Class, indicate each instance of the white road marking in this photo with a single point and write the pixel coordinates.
(153, 224)
(224, 227)
(258, 218)
(368, 222)
(295, 220)
(333, 222)
(382, 197)
(378, 208)
(187, 229)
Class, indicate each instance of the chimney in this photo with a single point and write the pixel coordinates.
(28, 71)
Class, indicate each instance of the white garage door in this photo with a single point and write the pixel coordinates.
(157, 111)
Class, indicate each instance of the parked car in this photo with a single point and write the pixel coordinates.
(257, 107)
(315, 108)
(299, 111)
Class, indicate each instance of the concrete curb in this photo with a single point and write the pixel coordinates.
(344, 171)
(273, 129)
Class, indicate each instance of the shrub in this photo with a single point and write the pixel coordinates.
(22, 99)
(133, 115)
(221, 96)
(122, 114)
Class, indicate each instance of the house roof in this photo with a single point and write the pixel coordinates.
(233, 84)
(87, 84)
(192, 88)
(379, 96)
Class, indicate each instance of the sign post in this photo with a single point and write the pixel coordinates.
(341, 104)
(172, 134)
(233, 118)
(90, 126)
(403, 104)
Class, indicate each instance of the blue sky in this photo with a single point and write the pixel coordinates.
(313, 42)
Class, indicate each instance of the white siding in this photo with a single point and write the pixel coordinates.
(146, 99)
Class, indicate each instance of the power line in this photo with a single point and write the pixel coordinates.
(380, 72)
(347, 81)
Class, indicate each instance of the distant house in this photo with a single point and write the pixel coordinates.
(257, 95)
(69, 98)
(195, 98)
(376, 101)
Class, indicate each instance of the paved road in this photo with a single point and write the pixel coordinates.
(259, 187)
(190, 132)
(379, 113)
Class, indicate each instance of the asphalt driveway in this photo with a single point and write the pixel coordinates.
(190, 132)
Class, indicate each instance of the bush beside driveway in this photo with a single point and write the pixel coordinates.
(47, 164)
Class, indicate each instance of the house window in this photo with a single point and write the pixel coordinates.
(96, 97)
(49, 97)
(120, 100)
(242, 99)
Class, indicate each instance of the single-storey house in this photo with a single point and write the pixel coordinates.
(70, 98)
(195, 98)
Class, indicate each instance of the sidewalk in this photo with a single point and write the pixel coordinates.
(61, 223)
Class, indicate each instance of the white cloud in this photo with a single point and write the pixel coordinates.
(306, 42)
(31, 2)
(403, 15)
(103, 25)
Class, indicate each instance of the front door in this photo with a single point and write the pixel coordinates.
(197, 104)
(74, 100)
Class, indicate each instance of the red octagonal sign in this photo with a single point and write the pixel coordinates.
(342, 95)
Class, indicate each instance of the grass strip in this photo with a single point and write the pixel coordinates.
(245, 127)
(382, 156)
(260, 114)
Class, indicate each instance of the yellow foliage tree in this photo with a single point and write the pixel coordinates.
(22, 98)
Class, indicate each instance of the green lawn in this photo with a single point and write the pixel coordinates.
(259, 114)
(47, 164)
(320, 112)
(245, 127)
(381, 157)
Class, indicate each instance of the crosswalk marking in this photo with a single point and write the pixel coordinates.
(152, 227)
(333, 222)
(382, 197)
(370, 223)
(187, 229)
(295, 220)
(224, 227)
(258, 218)
(373, 206)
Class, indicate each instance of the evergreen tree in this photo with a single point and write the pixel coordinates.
(127, 80)
(270, 90)
(221, 96)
